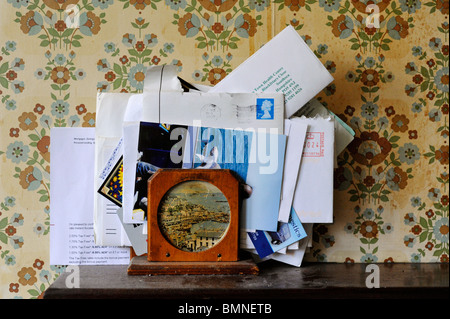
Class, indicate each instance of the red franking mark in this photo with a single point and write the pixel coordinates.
(314, 145)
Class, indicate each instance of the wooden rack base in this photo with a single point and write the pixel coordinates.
(139, 265)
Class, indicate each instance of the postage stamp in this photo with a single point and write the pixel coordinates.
(265, 109)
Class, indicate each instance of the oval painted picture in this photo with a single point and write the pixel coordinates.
(194, 215)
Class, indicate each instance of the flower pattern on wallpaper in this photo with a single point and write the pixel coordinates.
(35, 279)
(215, 26)
(11, 220)
(378, 163)
(26, 276)
(61, 24)
(125, 69)
(377, 158)
(372, 169)
(381, 163)
(61, 71)
(10, 82)
(430, 91)
(370, 26)
(381, 159)
(9, 234)
(429, 227)
(28, 149)
(213, 30)
(430, 75)
(375, 170)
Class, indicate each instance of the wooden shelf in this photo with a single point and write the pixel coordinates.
(275, 281)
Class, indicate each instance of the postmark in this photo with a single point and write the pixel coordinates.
(314, 144)
(211, 112)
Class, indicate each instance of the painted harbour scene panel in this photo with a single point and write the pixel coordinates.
(194, 216)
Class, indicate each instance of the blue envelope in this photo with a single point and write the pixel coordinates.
(258, 159)
(267, 242)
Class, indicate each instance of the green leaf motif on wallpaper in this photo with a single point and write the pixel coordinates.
(140, 4)
(61, 70)
(431, 77)
(61, 25)
(377, 157)
(125, 69)
(218, 26)
(429, 231)
(3, 236)
(295, 5)
(373, 165)
(9, 227)
(438, 5)
(370, 26)
(432, 231)
(430, 85)
(10, 82)
(370, 73)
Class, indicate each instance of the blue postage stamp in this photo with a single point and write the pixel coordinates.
(265, 109)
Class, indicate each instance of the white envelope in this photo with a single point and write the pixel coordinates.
(313, 199)
(285, 64)
(136, 233)
(344, 133)
(113, 109)
(296, 134)
(110, 113)
(219, 110)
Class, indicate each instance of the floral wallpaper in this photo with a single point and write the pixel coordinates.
(390, 60)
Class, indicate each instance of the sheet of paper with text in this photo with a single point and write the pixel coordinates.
(72, 202)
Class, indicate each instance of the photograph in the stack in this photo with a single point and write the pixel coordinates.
(155, 148)
(194, 216)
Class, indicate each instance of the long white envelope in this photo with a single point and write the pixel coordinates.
(296, 134)
(313, 199)
(286, 65)
(112, 111)
(111, 108)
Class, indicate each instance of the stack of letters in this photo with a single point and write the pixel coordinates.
(262, 121)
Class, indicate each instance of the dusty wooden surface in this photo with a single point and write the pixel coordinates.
(275, 281)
